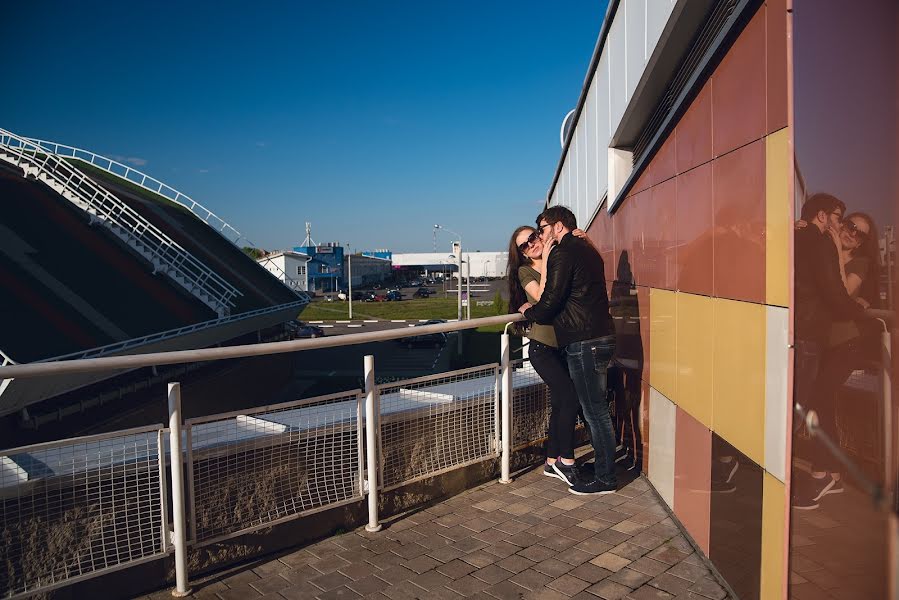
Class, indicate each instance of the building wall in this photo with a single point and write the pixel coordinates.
(699, 253)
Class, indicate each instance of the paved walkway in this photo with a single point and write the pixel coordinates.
(529, 539)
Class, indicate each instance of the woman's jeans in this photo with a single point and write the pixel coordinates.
(550, 365)
(588, 365)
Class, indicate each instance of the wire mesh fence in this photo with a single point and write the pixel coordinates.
(70, 510)
(530, 405)
(435, 423)
(251, 469)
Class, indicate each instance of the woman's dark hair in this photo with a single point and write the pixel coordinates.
(869, 249)
(517, 296)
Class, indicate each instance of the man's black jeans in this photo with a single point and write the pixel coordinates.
(588, 365)
(549, 362)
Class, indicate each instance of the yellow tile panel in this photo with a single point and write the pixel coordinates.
(777, 218)
(663, 342)
(738, 379)
(773, 532)
(694, 356)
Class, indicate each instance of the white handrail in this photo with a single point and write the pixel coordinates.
(109, 208)
(134, 361)
(153, 185)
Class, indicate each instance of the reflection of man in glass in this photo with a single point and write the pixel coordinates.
(820, 300)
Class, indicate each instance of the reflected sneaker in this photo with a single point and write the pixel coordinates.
(592, 487)
(803, 501)
(826, 485)
(549, 471)
(567, 473)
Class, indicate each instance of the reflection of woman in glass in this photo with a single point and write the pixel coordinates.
(860, 258)
(526, 270)
(853, 345)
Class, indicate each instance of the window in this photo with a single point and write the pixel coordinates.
(301, 270)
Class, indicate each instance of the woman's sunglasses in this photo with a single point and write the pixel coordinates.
(853, 230)
(531, 239)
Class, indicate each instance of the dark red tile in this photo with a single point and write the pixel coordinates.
(658, 236)
(694, 132)
(735, 525)
(695, 224)
(664, 163)
(738, 90)
(739, 232)
(776, 58)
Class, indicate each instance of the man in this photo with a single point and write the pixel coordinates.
(820, 300)
(575, 302)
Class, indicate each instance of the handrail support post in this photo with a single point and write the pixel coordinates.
(505, 409)
(372, 431)
(178, 517)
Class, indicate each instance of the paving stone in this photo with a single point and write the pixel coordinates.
(523, 539)
(648, 593)
(446, 554)
(537, 553)
(492, 574)
(270, 584)
(629, 577)
(395, 574)
(506, 590)
(688, 571)
(468, 585)
(491, 536)
(610, 562)
(593, 525)
(385, 561)
(358, 570)
(478, 524)
(668, 554)
(515, 563)
(708, 588)
(456, 569)
(649, 566)
(341, 593)
(431, 580)
(553, 567)
(590, 573)
(609, 590)
(329, 581)
(671, 584)
(574, 556)
(480, 558)
(629, 527)
(302, 591)
(420, 564)
(546, 593)
(629, 551)
(239, 577)
(594, 546)
(470, 545)
(531, 579)
(299, 575)
(558, 542)
(612, 536)
(405, 590)
(568, 584)
(502, 549)
(368, 585)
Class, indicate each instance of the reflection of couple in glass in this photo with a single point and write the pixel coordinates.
(837, 258)
(557, 280)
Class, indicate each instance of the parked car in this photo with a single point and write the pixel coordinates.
(394, 295)
(426, 340)
(422, 292)
(301, 330)
(415, 283)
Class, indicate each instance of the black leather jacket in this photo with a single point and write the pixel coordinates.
(574, 299)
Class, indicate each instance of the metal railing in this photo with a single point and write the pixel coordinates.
(146, 239)
(83, 507)
(153, 185)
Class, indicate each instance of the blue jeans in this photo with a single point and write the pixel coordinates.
(588, 365)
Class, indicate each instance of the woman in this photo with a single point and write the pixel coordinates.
(526, 270)
(853, 345)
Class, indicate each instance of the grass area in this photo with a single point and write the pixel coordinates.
(424, 308)
(106, 176)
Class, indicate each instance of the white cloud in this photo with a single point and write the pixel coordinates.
(261, 144)
(132, 160)
(202, 170)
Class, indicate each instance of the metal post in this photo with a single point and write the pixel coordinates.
(505, 408)
(349, 293)
(459, 290)
(178, 520)
(468, 288)
(371, 442)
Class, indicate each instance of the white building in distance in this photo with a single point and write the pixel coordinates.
(290, 267)
(483, 264)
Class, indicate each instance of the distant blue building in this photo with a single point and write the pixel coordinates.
(325, 267)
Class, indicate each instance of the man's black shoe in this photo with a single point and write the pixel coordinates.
(549, 471)
(567, 473)
(591, 487)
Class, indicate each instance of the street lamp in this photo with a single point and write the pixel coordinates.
(459, 264)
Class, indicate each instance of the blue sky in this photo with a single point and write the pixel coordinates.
(372, 120)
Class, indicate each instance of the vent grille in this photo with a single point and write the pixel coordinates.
(715, 22)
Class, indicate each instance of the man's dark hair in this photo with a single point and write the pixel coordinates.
(819, 202)
(558, 214)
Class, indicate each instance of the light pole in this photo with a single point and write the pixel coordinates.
(468, 288)
(349, 291)
(485, 266)
(459, 265)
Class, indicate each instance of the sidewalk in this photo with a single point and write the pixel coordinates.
(528, 539)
